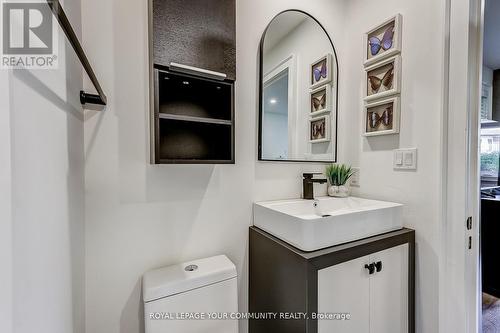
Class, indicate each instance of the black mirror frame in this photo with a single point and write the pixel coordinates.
(261, 77)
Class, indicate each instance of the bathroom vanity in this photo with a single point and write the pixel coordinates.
(371, 280)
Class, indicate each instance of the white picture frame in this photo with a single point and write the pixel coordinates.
(327, 132)
(328, 61)
(378, 32)
(327, 88)
(383, 65)
(379, 107)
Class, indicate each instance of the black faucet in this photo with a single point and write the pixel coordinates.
(308, 184)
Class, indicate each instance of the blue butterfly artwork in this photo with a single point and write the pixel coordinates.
(385, 44)
(319, 71)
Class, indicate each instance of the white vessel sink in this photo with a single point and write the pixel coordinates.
(315, 224)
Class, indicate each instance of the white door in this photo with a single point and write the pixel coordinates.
(344, 288)
(389, 291)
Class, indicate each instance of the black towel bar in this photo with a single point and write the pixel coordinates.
(59, 13)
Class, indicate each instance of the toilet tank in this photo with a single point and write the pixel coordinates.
(192, 297)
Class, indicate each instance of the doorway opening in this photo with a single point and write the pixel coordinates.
(489, 148)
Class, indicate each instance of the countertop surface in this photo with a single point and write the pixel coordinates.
(490, 193)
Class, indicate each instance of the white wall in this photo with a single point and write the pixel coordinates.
(140, 216)
(5, 208)
(47, 184)
(491, 26)
(421, 127)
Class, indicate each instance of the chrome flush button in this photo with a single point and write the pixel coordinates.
(190, 268)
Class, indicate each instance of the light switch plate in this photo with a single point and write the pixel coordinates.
(398, 158)
(355, 178)
(405, 159)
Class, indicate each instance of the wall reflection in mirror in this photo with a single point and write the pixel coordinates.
(299, 84)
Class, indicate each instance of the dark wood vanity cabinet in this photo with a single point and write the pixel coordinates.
(370, 280)
(193, 50)
(490, 247)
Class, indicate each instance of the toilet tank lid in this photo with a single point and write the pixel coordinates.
(175, 279)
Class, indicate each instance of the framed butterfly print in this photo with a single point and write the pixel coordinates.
(321, 71)
(321, 100)
(383, 78)
(383, 40)
(382, 117)
(319, 129)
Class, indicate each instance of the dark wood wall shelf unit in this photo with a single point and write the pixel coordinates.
(284, 279)
(192, 119)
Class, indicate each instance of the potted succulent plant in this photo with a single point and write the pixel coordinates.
(338, 175)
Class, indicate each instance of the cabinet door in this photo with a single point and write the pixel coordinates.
(199, 33)
(389, 291)
(344, 288)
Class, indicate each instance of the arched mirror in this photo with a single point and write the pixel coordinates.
(298, 91)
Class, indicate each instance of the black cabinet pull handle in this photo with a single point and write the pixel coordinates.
(370, 268)
(378, 266)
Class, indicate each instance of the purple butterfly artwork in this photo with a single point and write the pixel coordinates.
(320, 72)
(375, 119)
(385, 44)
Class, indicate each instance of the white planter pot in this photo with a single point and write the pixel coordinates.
(338, 191)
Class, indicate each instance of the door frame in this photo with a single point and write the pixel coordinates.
(289, 63)
(459, 306)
